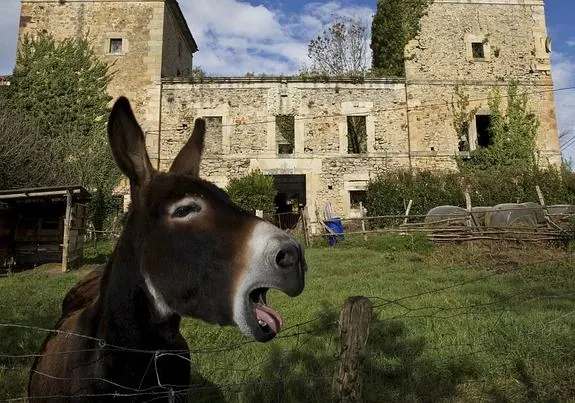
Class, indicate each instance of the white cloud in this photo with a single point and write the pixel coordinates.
(563, 70)
(571, 42)
(248, 38)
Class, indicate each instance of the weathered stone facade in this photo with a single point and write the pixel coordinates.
(512, 39)
(143, 41)
(407, 122)
(247, 137)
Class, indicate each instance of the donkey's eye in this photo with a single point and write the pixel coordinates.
(184, 211)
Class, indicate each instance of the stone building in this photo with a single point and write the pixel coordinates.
(144, 41)
(322, 141)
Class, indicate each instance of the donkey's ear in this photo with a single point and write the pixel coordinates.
(189, 158)
(128, 144)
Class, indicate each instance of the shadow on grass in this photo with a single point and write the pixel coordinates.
(396, 368)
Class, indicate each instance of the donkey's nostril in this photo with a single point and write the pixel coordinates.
(287, 257)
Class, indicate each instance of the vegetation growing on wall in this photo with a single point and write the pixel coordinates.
(62, 85)
(394, 24)
(254, 191)
(285, 127)
(462, 117)
(512, 132)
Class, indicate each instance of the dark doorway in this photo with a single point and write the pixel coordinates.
(289, 200)
(482, 123)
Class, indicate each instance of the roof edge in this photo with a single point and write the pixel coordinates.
(273, 79)
(183, 24)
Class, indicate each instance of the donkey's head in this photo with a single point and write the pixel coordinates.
(200, 255)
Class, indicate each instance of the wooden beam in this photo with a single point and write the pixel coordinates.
(67, 220)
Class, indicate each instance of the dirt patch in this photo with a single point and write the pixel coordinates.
(56, 268)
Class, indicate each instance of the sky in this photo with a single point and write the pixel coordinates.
(236, 37)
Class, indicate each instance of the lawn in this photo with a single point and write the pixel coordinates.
(451, 323)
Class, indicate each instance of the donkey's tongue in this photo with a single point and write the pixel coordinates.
(270, 317)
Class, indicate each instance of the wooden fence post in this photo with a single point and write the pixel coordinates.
(407, 210)
(468, 208)
(354, 323)
(305, 222)
(362, 221)
(66, 240)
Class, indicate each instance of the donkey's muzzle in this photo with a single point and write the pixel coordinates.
(289, 265)
(276, 261)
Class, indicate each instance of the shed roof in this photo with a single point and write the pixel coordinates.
(79, 193)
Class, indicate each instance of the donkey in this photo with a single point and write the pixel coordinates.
(185, 250)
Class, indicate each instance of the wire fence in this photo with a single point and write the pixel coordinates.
(468, 337)
(301, 366)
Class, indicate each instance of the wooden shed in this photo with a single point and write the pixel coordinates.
(43, 225)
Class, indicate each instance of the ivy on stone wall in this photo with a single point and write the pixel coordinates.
(462, 117)
(394, 24)
(512, 132)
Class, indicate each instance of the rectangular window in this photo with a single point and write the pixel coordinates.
(482, 123)
(356, 135)
(116, 46)
(180, 50)
(356, 197)
(477, 50)
(285, 134)
(214, 134)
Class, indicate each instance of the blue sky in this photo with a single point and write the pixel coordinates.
(271, 36)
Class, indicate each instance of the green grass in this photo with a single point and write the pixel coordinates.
(451, 323)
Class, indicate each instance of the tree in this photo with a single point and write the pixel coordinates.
(62, 85)
(341, 49)
(56, 107)
(394, 24)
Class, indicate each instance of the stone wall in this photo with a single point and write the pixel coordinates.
(136, 65)
(177, 51)
(247, 138)
(512, 39)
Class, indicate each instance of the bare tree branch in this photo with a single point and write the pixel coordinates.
(341, 49)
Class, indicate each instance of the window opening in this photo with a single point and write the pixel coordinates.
(482, 123)
(116, 46)
(477, 50)
(356, 135)
(285, 134)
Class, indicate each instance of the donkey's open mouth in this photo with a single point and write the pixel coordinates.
(268, 319)
(275, 260)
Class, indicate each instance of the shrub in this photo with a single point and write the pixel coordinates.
(255, 191)
(390, 192)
